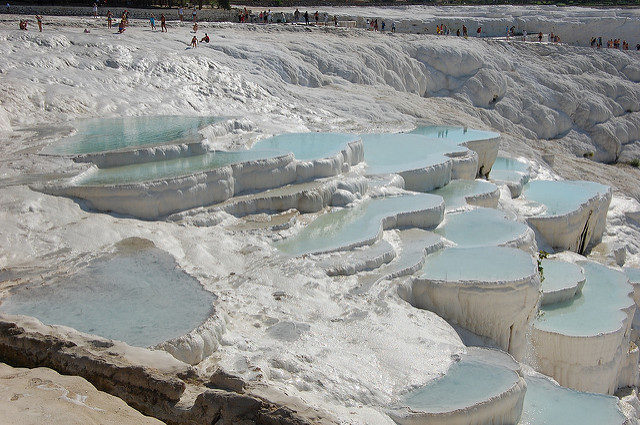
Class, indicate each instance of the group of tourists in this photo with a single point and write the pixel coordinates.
(373, 25)
(24, 22)
(444, 29)
(612, 44)
(194, 40)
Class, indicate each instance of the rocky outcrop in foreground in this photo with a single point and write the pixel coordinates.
(152, 382)
(29, 395)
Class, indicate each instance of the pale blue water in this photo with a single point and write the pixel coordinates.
(510, 164)
(484, 264)
(596, 310)
(562, 197)
(480, 227)
(156, 170)
(633, 274)
(306, 146)
(106, 134)
(141, 298)
(467, 382)
(559, 275)
(549, 404)
(509, 169)
(350, 226)
(397, 152)
(454, 134)
(455, 192)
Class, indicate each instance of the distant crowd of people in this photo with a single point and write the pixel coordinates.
(268, 16)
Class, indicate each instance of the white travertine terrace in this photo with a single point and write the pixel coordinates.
(584, 343)
(562, 281)
(491, 291)
(308, 197)
(363, 224)
(490, 228)
(358, 349)
(367, 258)
(512, 173)
(459, 194)
(482, 387)
(158, 198)
(141, 154)
(575, 212)
(547, 403)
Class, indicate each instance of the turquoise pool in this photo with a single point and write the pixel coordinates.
(306, 146)
(562, 197)
(480, 227)
(467, 382)
(138, 297)
(454, 134)
(481, 264)
(548, 404)
(456, 191)
(157, 170)
(596, 310)
(107, 134)
(353, 226)
(560, 275)
(398, 152)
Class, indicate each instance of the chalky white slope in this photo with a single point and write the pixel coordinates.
(290, 325)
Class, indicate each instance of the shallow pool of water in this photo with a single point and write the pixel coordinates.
(596, 310)
(480, 227)
(456, 191)
(349, 226)
(157, 170)
(548, 404)
(140, 297)
(482, 264)
(454, 134)
(560, 275)
(106, 134)
(509, 170)
(633, 274)
(466, 383)
(306, 146)
(397, 152)
(562, 197)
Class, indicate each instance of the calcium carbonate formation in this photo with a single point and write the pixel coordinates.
(410, 214)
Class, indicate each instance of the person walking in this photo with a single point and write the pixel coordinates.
(152, 21)
(163, 23)
(39, 19)
(194, 42)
